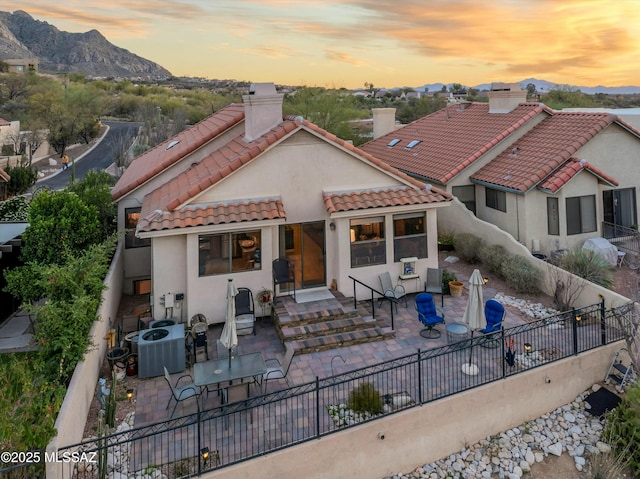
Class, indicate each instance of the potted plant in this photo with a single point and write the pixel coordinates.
(447, 277)
(446, 241)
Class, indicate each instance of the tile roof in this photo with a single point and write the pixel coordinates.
(213, 214)
(542, 150)
(175, 194)
(162, 156)
(568, 170)
(380, 198)
(4, 122)
(450, 139)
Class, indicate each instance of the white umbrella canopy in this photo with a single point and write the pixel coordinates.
(229, 336)
(474, 315)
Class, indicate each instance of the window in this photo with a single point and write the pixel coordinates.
(393, 142)
(496, 199)
(131, 218)
(466, 195)
(412, 144)
(409, 236)
(581, 214)
(367, 241)
(553, 219)
(226, 253)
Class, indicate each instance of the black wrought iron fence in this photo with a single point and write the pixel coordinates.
(219, 437)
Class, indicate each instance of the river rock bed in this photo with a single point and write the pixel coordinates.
(569, 429)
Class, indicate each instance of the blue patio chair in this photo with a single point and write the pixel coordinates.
(429, 315)
(494, 312)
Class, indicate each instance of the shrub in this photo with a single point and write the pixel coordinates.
(492, 256)
(588, 265)
(622, 428)
(14, 209)
(468, 246)
(523, 277)
(22, 178)
(446, 277)
(365, 398)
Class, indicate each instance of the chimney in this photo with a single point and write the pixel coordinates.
(262, 110)
(384, 121)
(505, 97)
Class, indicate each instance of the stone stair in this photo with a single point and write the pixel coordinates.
(326, 324)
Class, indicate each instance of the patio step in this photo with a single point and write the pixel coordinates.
(326, 324)
(338, 340)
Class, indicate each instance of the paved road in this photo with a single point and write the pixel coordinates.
(98, 158)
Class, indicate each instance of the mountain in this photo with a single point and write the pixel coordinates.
(89, 53)
(545, 86)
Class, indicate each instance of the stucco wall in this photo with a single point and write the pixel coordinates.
(435, 430)
(75, 407)
(460, 220)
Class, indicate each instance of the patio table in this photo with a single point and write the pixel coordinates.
(219, 371)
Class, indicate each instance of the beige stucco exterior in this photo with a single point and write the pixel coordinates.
(299, 170)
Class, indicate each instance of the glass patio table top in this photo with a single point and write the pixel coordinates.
(250, 365)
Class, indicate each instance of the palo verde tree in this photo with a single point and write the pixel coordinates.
(60, 223)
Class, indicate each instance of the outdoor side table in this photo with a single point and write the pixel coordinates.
(457, 333)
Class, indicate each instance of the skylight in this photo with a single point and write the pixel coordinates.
(412, 144)
(393, 142)
(172, 144)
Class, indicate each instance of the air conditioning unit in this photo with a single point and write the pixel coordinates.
(159, 348)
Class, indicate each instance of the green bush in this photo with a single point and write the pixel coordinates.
(446, 277)
(365, 398)
(623, 427)
(520, 274)
(492, 256)
(588, 265)
(22, 178)
(14, 209)
(468, 247)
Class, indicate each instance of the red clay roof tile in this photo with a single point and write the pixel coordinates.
(542, 150)
(156, 160)
(366, 199)
(568, 170)
(452, 138)
(214, 214)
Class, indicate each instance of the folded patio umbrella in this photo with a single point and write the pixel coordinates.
(474, 315)
(229, 336)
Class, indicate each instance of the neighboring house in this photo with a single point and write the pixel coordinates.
(4, 179)
(549, 178)
(9, 132)
(22, 65)
(224, 198)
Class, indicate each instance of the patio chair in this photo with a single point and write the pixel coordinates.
(245, 315)
(280, 371)
(283, 273)
(429, 315)
(181, 392)
(494, 312)
(391, 292)
(433, 284)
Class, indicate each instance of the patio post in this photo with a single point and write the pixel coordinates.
(603, 324)
(419, 378)
(574, 324)
(317, 407)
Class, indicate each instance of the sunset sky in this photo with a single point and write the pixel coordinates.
(345, 43)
